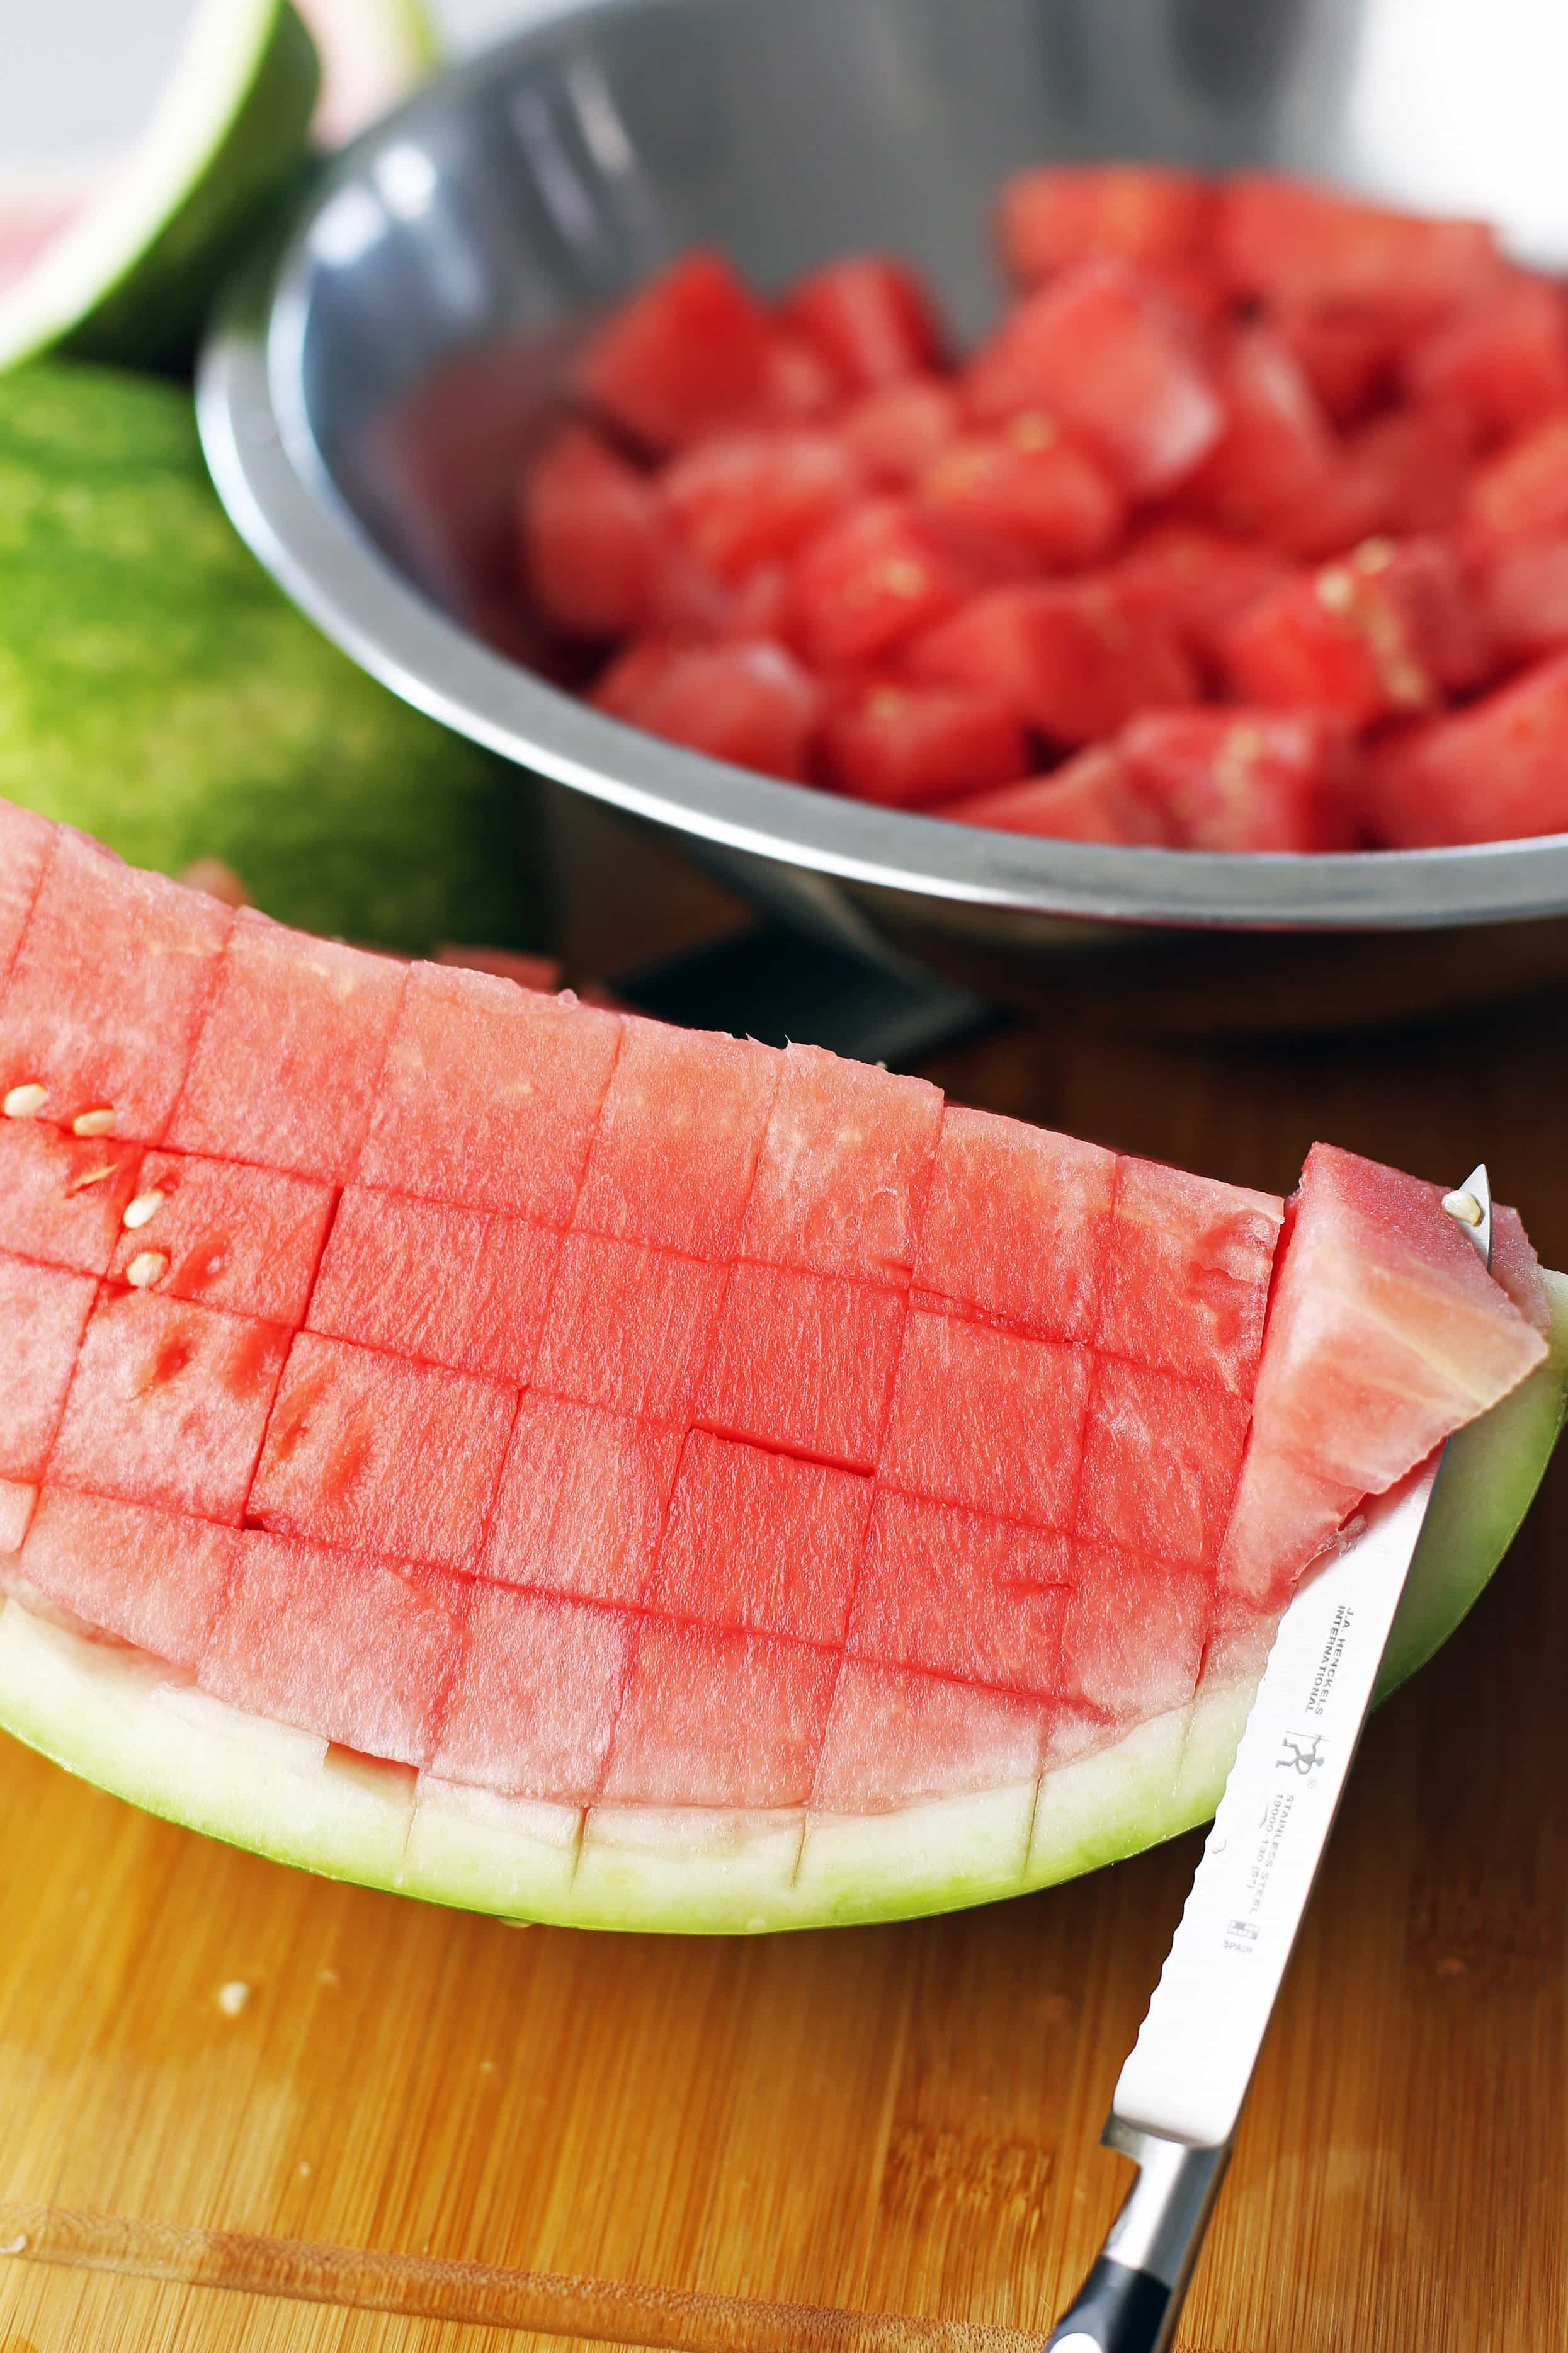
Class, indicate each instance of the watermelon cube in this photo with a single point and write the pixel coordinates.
(24, 843)
(799, 387)
(1520, 588)
(1349, 357)
(745, 499)
(1385, 1332)
(804, 1363)
(763, 1703)
(870, 582)
(1276, 449)
(361, 1652)
(1406, 472)
(628, 1328)
(1385, 631)
(906, 747)
(1523, 492)
(896, 1737)
(1192, 582)
(1161, 1461)
(963, 1594)
(870, 318)
(1146, 214)
(678, 1139)
(988, 1418)
(169, 1404)
(150, 1578)
(582, 1499)
(1494, 772)
(749, 702)
(589, 528)
(895, 433)
(61, 1198)
(1187, 1273)
(846, 1162)
(462, 1288)
(761, 1541)
(1023, 488)
(286, 1066)
(1133, 1633)
(1103, 351)
(534, 1702)
(113, 975)
(348, 1423)
(490, 1095)
(1241, 780)
(44, 1310)
(690, 353)
(1094, 796)
(1501, 364)
(246, 1239)
(1017, 1223)
(1075, 657)
(1307, 248)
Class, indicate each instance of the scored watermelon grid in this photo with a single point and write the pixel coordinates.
(960, 1680)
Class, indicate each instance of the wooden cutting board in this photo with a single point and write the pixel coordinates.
(426, 2130)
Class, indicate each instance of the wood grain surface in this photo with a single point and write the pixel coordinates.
(425, 2130)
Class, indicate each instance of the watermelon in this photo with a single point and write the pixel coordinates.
(530, 1457)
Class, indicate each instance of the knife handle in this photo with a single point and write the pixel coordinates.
(1130, 2302)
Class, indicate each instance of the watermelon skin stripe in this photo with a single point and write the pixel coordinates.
(115, 1717)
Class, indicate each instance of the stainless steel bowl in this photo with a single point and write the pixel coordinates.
(366, 399)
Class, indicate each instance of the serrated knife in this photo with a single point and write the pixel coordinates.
(1179, 2096)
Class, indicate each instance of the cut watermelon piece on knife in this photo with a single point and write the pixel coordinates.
(696, 1486)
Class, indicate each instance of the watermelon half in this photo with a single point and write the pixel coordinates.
(536, 1459)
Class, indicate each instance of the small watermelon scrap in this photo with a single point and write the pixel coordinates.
(702, 1485)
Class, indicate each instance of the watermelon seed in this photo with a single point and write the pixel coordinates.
(1464, 1207)
(233, 1997)
(25, 1102)
(17, 2246)
(137, 1211)
(145, 1268)
(1336, 589)
(97, 1122)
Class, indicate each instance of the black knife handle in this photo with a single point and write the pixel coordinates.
(1131, 2299)
(1116, 2310)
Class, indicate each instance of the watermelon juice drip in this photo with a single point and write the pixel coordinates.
(599, 1413)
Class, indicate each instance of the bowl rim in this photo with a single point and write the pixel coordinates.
(275, 483)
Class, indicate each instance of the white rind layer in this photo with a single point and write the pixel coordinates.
(119, 1719)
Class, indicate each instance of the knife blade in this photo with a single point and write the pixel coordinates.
(1179, 2096)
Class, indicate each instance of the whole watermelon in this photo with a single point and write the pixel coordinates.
(158, 690)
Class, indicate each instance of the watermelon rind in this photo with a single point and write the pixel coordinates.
(158, 691)
(132, 278)
(117, 1717)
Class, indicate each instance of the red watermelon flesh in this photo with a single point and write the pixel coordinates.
(24, 841)
(285, 1069)
(1382, 1332)
(609, 1415)
(62, 1197)
(246, 1239)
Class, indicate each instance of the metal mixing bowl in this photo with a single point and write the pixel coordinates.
(368, 397)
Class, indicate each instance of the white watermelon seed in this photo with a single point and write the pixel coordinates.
(25, 1102)
(143, 1206)
(92, 1177)
(1464, 1207)
(145, 1268)
(233, 1997)
(99, 1121)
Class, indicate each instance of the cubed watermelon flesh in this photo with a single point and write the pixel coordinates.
(752, 1476)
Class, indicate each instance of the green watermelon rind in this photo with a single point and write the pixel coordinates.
(113, 1717)
(133, 279)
